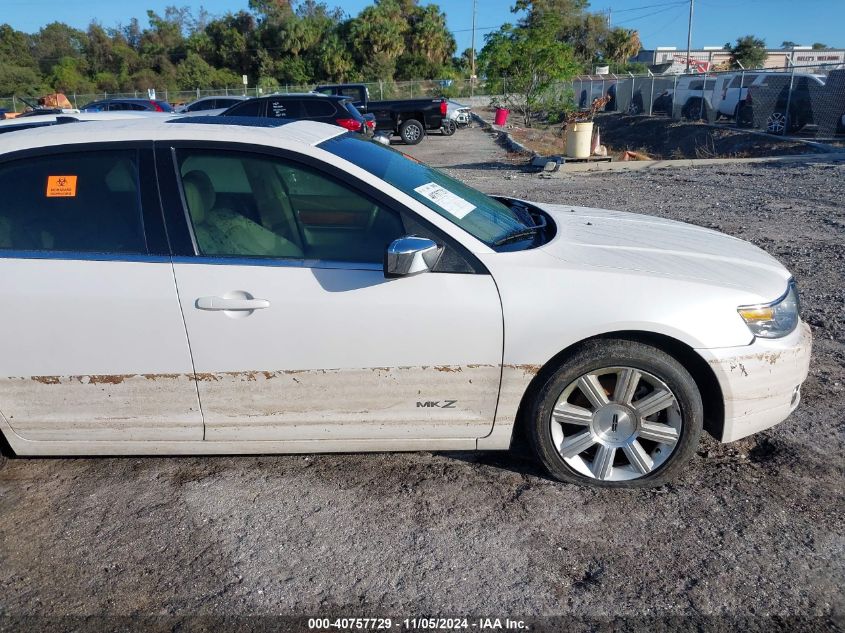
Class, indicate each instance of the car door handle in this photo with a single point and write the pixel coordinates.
(222, 303)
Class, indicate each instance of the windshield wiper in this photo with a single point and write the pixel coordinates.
(529, 230)
(517, 235)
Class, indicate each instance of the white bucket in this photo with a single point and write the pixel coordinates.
(578, 138)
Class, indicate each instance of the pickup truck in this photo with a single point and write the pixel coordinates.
(408, 118)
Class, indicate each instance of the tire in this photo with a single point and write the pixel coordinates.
(621, 444)
(5, 451)
(743, 115)
(449, 127)
(411, 132)
(692, 110)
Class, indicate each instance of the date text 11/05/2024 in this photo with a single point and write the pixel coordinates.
(417, 624)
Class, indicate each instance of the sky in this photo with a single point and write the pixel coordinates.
(660, 22)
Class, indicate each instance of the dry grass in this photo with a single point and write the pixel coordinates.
(546, 141)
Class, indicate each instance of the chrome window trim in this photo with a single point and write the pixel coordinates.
(182, 259)
(85, 256)
(277, 262)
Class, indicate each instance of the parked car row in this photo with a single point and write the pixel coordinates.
(778, 102)
(346, 105)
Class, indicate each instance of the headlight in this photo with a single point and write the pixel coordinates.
(775, 319)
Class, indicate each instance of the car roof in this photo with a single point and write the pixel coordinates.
(170, 128)
(235, 97)
(308, 95)
(132, 99)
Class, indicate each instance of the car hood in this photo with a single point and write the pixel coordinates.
(627, 241)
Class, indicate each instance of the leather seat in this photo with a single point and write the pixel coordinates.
(222, 231)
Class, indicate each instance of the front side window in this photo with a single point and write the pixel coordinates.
(480, 215)
(251, 205)
(86, 202)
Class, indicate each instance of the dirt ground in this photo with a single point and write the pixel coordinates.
(750, 537)
(662, 138)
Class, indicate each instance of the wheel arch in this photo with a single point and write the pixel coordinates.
(706, 381)
(407, 116)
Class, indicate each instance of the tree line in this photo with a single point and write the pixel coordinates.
(279, 42)
(274, 42)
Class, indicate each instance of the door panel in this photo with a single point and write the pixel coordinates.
(92, 341)
(343, 354)
(95, 350)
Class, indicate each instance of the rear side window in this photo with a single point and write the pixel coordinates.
(224, 103)
(254, 107)
(352, 93)
(72, 202)
(319, 108)
(284, 108)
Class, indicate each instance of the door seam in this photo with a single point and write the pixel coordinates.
(190, 347)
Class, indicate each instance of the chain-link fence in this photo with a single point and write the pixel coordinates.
(379, 90)
(801, 100)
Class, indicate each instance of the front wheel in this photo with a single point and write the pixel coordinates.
(618, 414)
(449, 127)
(411, 132)
(692, 110)
(777, 123)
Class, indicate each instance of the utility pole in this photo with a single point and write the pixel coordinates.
(689, 33)
(472, 53)
(609, 16)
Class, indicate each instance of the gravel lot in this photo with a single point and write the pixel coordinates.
(752, 533)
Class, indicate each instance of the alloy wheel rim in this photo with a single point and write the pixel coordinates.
(616, 424)
(777, 122)
(412, 132)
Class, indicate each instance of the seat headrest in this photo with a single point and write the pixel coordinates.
(199, 194)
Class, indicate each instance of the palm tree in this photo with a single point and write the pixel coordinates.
(622, 44)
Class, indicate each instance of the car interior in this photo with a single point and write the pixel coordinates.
(100, 214)
(247, 205)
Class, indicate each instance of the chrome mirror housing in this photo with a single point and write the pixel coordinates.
(411, 255)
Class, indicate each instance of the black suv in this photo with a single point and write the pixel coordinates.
(314, 107)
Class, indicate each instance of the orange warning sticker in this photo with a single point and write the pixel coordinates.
(61, 186)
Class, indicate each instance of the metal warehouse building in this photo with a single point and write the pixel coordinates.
(717, 58)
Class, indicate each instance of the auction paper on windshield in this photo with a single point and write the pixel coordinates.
(442, 197)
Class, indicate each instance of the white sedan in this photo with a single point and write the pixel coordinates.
(187, 288)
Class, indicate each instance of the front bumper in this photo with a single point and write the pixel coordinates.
(761, 383)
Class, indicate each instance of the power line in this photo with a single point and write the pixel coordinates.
(650, 6)
(646, 15)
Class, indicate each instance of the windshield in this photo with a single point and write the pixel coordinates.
(478, 214)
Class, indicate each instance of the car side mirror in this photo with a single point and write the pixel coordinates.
(411, 255)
